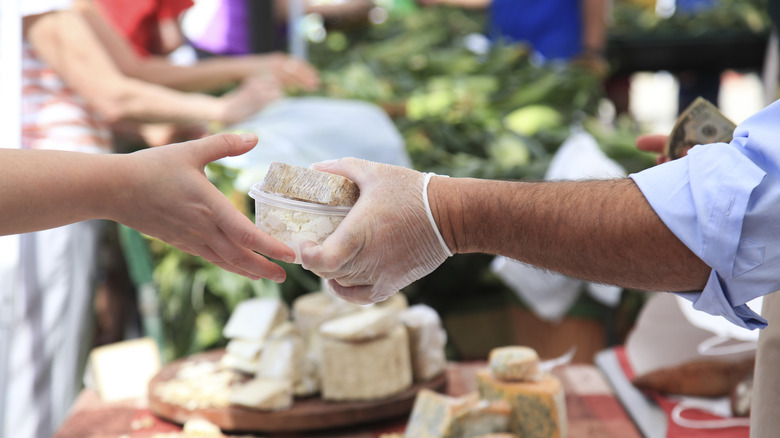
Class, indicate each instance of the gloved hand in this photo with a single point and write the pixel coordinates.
(388, 239)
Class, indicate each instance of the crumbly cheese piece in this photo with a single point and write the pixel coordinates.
(255, 318)
(486, 417)
(248, 349)
(310, 185)
(538, 408)
(293, 227)
(436, 415)
(427, 340)
(197, 386)
(312, 309)
(514, 363)
(366, 324)
(263, 394)
(199, 427)
(433, 413)
(366, 370)
(282, 359)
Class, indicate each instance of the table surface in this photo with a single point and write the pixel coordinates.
(592, 411)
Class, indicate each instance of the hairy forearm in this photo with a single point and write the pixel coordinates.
(44, 189)
(602, 231)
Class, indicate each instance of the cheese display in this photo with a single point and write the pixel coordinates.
(538, 407)
(514, 363)
(263, 394)
(309, 185)
(368, 369)
(427, 340)
(352, 353)
(436, 415)
(359, 326)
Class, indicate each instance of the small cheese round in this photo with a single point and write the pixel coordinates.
(514, 363)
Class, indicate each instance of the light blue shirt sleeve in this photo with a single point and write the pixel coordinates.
(723, 202)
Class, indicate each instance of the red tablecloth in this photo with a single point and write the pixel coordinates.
(592, 411)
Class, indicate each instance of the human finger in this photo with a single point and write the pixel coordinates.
(652, 142)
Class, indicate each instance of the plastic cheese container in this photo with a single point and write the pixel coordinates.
(293, 221)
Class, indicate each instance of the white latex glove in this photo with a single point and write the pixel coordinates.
(388, 239)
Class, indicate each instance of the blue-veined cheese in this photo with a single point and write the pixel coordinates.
(538, 407)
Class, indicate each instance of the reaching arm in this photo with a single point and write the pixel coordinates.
(162, 192)
(67, 42)
(602, 231)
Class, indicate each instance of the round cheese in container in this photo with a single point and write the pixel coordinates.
(294, 204)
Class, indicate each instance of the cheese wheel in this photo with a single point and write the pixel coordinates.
(427, 340)
(514, 363)
(538, 408)
(366, 370)
(309, 185)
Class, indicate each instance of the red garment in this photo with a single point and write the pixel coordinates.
(137, 20)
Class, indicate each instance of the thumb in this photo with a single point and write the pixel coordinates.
(218, 146)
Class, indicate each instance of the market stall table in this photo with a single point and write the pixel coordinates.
(592, 411)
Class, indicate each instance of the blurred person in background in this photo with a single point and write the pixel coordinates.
(76, 81)
(562, 30)
(147, 32)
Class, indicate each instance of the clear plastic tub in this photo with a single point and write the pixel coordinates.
(292, 221)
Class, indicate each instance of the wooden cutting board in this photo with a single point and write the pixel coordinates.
(306, 414)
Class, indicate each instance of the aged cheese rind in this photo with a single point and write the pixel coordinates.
(310, 185)
(538, 408)
(253, 319)
(263, 394)
(367, 370)
(427, 340)
(514, 363)
(365, 324)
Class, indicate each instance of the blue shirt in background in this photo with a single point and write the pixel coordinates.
(552, 27)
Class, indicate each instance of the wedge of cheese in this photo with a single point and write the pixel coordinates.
(427, 340)
(365, 324)
(282, 359)
(313, 309)
(247, 349)
(263, 394)
(253, 319)
(310, 185)
(514, 363)
(538, 408)
(436, 415)
(433, 413)
(366, 370)
(397, 301)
